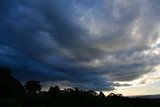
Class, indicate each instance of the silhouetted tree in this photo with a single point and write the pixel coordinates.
(68, 90)
(115, 95)
(10, 89)
(76, 89)
(32, 87)
(101, 94)
(119, 95)
(91, 92)
(111, 95)
(11, 94)
(5, 74)
(54, 89)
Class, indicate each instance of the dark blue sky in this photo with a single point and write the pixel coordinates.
(90, 44)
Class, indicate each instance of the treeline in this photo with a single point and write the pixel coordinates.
(14, 94)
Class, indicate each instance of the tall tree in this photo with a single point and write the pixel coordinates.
(101, 94)
(9, 86)
(32, 87)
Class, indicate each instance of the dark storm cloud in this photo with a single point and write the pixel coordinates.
(78, 43)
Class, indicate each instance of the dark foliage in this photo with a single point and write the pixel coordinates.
(13, 94)
(32, 87)
(11, 90)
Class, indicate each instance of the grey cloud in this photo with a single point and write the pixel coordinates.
(88, 44)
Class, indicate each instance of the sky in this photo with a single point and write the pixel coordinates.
(101, 45)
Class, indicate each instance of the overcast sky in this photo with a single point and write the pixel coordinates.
(103, 45)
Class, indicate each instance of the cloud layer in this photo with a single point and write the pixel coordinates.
(88, 44)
